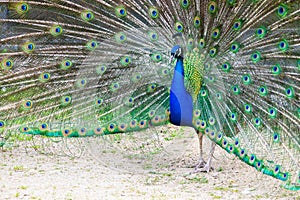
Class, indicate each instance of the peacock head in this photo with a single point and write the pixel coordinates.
(176, 52)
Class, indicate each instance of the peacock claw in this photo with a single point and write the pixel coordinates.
(206, 168)
(201, 164)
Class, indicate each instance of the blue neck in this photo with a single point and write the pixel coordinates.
(179, 68)
(181, 102)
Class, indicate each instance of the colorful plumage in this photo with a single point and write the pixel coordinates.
(89, 68)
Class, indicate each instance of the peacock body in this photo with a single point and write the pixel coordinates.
(91, 68)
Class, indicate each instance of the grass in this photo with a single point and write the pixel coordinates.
(197, 179)
(18, 168)
(226, 189)
(215, 196)
(23, 187)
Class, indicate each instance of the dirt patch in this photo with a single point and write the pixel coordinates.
(137, 166)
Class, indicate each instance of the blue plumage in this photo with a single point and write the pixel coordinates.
(181, 102)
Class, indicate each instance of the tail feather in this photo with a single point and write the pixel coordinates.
(87, 68)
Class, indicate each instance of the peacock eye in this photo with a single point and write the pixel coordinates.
(237, 25)
(276, 69)
(220, 135)
(257, 122)
(24, 129)
(66, 64)
(27, 104)
(87, 15)
(99, 102)
(263, 91)
(6, 64)
(226, 67)
(255, 57)
(197, 22)
(125, 61)
(248, 108)
(114, 87)
(100, 70)
(22, 8)
(28, 47)
(236, 90)
(283, 45)
(153, 13)
(157, 57)
(120, 11)
(44, 77)
(184, 3)
(259, 31)
(152, 35)
(213, 52)
(121, 37)
(2, 124)
(289, 92)
(66, 100)
(216, 33)
(179, 27)
(212, 7)
(282, 10)
(81, 83)
(276, 137)
(92, 45)
(246, 79)
(66, 132)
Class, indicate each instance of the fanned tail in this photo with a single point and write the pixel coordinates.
(87, 68)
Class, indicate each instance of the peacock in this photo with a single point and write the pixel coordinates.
(227, 68)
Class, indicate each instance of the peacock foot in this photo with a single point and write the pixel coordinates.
(203, 166)
(200, 164)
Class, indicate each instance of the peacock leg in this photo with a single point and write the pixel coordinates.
(203, 166)
(201, 162)
(207, 167)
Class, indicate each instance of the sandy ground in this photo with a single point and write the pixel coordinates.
(130, 167)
